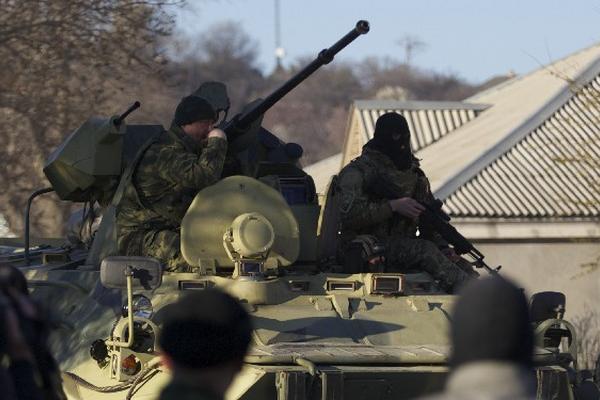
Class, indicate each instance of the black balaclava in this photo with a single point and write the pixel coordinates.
(491, 323)
(398, 150)
(192, 109)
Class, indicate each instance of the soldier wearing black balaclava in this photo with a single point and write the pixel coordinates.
(367, 211)
(392, 138)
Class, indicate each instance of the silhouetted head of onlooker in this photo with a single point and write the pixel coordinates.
(205, 337)
(491, 323)
(33, 372)
(12, 278)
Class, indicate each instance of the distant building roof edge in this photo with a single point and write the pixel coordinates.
(417, 105)
(520, 132)
(476, 96)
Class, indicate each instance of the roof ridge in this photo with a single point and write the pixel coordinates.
(417, 104)
(518, 78)
(521, 131)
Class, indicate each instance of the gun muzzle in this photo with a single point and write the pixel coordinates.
(362, 27)
(131, 109)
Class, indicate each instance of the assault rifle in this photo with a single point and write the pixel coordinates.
(438, 220)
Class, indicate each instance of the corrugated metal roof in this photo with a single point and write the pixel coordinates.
(517, 108)
(532, 151)
(551, 172)
(428, 121)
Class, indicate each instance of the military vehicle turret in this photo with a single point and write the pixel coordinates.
(319, 332)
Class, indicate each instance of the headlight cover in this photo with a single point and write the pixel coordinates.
(142, 307)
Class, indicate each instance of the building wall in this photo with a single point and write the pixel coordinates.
(354, 142)
(564, 266)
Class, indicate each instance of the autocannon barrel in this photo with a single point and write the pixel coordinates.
(122, 117)
(324, 57)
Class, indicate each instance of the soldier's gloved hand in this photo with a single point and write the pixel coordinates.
(451, 254)
(407, 207)
(217, 133)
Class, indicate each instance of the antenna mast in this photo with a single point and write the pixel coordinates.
(279, 51)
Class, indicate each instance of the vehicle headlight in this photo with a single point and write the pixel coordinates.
(142, 307)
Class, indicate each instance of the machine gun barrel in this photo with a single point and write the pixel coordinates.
(242, 121)
(122, 117)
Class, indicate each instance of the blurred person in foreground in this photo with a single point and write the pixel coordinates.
(32, 372)
(492, 338)
(204, 340)
(18, 377)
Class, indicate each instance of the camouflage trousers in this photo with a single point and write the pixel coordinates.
(164, 245)
(419, 254)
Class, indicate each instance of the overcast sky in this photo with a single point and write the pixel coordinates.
(474, 38)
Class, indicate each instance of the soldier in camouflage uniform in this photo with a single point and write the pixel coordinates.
(185, 159)
(365, 208)
(204, 340)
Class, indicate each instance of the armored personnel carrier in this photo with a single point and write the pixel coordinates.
(320, 330)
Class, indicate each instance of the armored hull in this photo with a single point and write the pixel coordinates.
(316, 334)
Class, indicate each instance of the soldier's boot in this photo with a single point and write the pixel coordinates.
(450, 276)
(425, 255)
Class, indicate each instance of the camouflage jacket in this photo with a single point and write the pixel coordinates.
(365, 209)
(168, 176)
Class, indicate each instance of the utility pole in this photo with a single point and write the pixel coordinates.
(279, 50)
(411, 45)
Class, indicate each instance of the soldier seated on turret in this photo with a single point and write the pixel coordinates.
(183, 160)
(367, 208)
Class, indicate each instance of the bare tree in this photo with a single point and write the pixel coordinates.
(225, 53)
(63, 60)
(418, 84)
(587, 327)
(581, 126)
